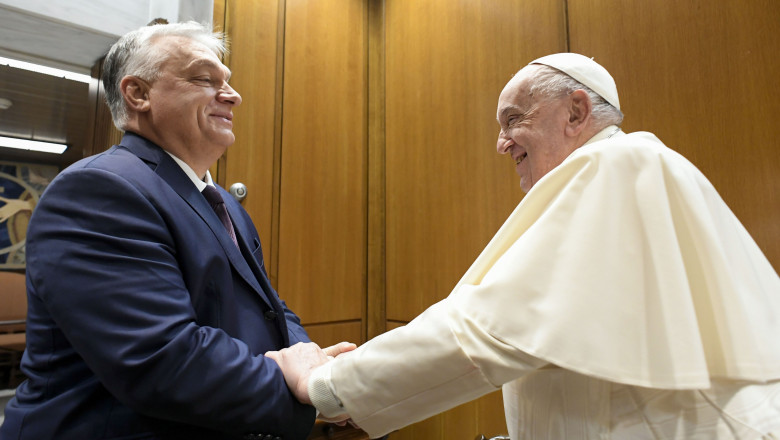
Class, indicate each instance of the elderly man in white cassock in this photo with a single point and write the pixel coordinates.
(621, 299)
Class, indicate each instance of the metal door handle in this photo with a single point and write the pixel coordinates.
(238, 191)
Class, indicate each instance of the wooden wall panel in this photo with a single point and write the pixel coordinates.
(217, 169)
(252, 28)
(702, 76)
(448, 190)
(322, 224)
(329, 334)
(376, 151)
(102, 132)
(376, 280)
(483, 416)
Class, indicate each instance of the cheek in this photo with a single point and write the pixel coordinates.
(539, 163)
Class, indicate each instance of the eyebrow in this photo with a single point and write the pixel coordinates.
(209, 64)
(509, 109)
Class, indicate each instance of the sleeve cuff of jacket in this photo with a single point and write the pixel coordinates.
(322, 395)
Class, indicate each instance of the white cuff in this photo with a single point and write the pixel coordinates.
(321, 393)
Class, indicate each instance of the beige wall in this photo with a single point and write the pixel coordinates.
(367, 136)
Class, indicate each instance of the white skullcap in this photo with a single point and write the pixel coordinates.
(586, 71)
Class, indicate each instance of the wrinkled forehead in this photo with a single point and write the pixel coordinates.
(516, 92)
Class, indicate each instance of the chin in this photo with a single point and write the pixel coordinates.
(525, 185)
(226, 140)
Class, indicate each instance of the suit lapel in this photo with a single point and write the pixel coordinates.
(170, 171)
(243, 236)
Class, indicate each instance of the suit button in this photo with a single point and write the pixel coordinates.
(270, 316)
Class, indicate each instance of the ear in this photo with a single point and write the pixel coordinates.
(136, 93)
(580, 109)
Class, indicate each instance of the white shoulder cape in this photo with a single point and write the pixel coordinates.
(625, 264)
(622, 264)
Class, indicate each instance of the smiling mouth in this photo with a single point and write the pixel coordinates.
(520, 158)
(227, 117)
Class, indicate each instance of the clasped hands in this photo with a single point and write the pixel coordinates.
(297, 363)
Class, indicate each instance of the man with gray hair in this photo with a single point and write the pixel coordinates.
(621, 299)
(149, 305)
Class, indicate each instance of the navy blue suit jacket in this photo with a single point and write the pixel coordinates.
(145, 321)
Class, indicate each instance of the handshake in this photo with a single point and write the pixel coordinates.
(298, 362)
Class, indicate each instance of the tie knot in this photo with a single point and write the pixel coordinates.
(212, 195)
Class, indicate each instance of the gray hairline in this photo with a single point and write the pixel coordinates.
(136, 54)
(549, 82)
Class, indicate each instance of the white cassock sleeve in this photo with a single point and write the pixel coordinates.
(623, 264)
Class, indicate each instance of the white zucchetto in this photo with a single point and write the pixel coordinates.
(586, 71)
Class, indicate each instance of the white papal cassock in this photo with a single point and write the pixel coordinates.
(622, 299)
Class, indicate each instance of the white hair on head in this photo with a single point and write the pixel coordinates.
(548, 82)
(135, 54)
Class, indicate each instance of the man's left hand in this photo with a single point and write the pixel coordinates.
(298, 361)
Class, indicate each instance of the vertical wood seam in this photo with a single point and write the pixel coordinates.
(276, 192)
(221, 11)
(375, 306)
(566, 25)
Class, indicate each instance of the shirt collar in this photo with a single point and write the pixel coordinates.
(200, 184)
(606, 133)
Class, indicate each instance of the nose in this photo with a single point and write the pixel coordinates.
(504, 143)
(228, 95)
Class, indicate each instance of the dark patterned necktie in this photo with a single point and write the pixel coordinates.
(218, 205)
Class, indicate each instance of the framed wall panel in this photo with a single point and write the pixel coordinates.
(448, 190)
(702, 76)
(329, 334)
(322, 217)
(252, 28)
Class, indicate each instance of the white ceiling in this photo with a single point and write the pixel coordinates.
(73, 34)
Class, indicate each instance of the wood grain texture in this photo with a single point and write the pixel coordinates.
(381, 183)
(322, 223)
(102, 133)
(219, 169)
(329, 334)
(376, 282)
(49, 109)
(702, 76)
(252, 28)
(482, 416)
(448, 190)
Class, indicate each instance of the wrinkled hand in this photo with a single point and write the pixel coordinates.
(298, 361)
(337, 350)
